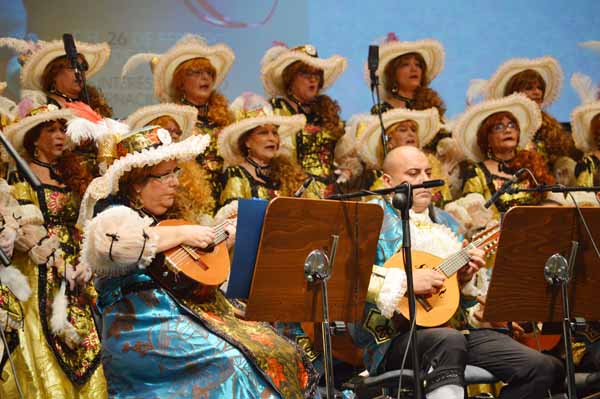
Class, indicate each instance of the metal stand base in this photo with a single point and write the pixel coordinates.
(317, 268)
(558, 272)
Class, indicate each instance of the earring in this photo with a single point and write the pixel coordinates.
(36, 153)
(395, 89)
(489, 153)
(137, 202)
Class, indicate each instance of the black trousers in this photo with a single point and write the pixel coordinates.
(443, 349)
(528, 373)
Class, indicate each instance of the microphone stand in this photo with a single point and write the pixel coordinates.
(402, 200)
(81, 80)
(375, 89)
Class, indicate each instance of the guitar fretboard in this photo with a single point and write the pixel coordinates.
(454, 262)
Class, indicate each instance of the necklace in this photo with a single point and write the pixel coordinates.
(305, 108)
(53, 173)
(202, 109)
(262, 172)
(503, 165)
(63, 96)
(409, 102)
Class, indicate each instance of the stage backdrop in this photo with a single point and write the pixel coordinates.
(477, 36)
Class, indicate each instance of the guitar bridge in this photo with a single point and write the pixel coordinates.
(423, 301)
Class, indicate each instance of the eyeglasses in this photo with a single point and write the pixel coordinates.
(310, 75)
(501, 127)
(175, 174)
(198, 72)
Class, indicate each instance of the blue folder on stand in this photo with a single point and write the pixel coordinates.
(251, 214)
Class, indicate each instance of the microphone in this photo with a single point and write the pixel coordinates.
(373, 63)
(384, 191)
(429, 184)
(71, 51)
(303, 187)
(504, 187)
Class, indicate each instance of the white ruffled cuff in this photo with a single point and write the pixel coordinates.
(392, 290)
(117, 242)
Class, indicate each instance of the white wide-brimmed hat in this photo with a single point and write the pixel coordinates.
(190, 46)
(249, 111)
(368, 131)
(581, 116)
(16, 132)
(548, 68)
(184, 115)
(279, 57)
(526, 112)
(391, 48)
(148, 146)
(35, 57)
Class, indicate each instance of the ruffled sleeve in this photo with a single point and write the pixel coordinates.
(118, 241)
(386, 287)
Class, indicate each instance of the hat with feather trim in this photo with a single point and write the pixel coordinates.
(16, 132)
(35, 57)
(147, 146)
(190, 46)
(184, 115)
(391, 48)
(370, 147)
(526, 112)
(279, 57)
(249, 111)
(582, 115)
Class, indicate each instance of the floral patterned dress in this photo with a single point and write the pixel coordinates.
(195, 349)
(48, 366)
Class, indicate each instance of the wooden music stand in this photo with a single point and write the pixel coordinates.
(519, 288)
(294, 228)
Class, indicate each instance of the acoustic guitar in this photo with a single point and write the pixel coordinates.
(189, 271)
(436, 309)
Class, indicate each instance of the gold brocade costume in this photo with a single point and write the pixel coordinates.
(211, 160)
(238, 183)
(478, 179)
(47, 366)
(11, 312)
(313, 148)
(587, 171)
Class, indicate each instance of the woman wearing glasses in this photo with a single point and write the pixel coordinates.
(190, 73)
(296, 78)
(197, 346)
(494, 135)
